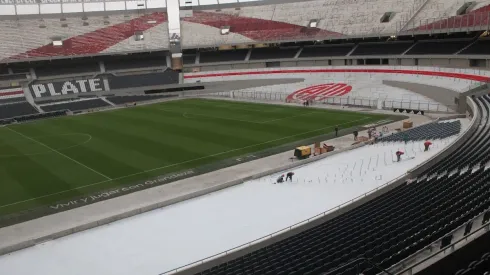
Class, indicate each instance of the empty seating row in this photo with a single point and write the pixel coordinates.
(476, 19)
(223, 56)
(327, 50)
(40, 116)
(77, 105)
(293, 21)
(244, 29)
(189, 59)
(62, 68)
(438, 47)
(385, 230)
(74, 35)
(11, 100)
(13, 77)
(66, 67)
(427, 131)
(48, 101)
(392, 48)
(447, 47)
(118, 100)
(479, 266)
(473, 258)
(475, 151)
(9, 94)
(138, 80)
(478, 47)
(135, 61)
(273, 53)
(16, 109)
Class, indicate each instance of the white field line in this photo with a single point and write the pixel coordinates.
(59, 153)
(59, 149)
(227, 106)
(187, 114)
(184, 162)
(277, 119)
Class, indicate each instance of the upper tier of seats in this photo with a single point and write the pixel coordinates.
(290, 21)
(28, 38)
(440, 15)
(33, 38)
(408, 218)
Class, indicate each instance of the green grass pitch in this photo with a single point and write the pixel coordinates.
(56, 159)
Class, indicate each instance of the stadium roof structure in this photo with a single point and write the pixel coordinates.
(46, 7)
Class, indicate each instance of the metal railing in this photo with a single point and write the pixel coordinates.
(379, 103)
(463, 23)
(289, 228)
(485, 226)
(356, 261)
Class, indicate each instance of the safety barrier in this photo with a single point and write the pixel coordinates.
(387, 104)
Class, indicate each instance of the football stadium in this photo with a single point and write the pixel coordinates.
(207, 137)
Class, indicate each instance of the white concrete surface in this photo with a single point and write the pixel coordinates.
(357, 79)
(167, 238)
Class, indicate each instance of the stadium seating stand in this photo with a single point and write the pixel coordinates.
(16, 109)
(427, 131)
(438, 47)
(327, 50)
(273, 53)
(407, 219)
(119, 100)
(381, 48)
(76, 105)
(223, 56)
(479, 47)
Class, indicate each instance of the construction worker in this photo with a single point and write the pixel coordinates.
(398, 155)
